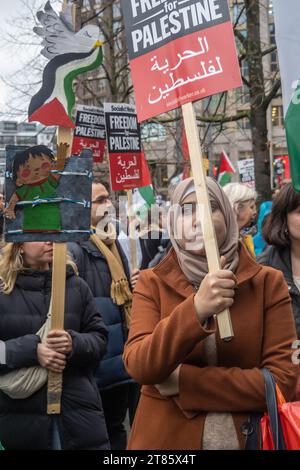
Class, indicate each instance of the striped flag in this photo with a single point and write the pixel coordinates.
(226, 169)
(143, 197)
(287, 20)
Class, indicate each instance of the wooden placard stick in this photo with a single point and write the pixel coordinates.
(64, 135)
(58, 290)
(57, 321)
(210, 241)
(131, 219)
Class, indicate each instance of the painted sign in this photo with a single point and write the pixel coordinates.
(180, 51)
(124, 146)
(89, 132)
(47, 196)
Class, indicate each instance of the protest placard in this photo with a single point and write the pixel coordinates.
(69, 54)
(89, 132)
(47, 199)
(184, 51)
(246, 171)
(124, 146)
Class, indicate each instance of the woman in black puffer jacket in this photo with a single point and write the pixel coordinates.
(25, 273)
(281, 231)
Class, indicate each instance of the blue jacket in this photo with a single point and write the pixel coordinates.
(259, 243)
(93, 268)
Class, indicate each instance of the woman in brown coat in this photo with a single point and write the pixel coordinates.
(198, 390)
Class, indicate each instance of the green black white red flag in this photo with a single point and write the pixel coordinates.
(287, 20)
(226, 169)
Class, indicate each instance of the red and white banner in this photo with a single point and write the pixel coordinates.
(89, 132)
(124, 146)
(184, 51)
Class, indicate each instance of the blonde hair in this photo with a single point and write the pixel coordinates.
(12, 262)
(238, 193)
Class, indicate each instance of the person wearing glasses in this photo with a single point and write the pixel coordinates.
(102, 264)
(197, 390)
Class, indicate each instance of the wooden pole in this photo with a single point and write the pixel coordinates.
(64, 135)
(210, 241)
(131, 218)
(57, 321)
(54, 391)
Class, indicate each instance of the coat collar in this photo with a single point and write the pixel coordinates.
(168, 270)
(280, 258)
(91, 248)
(35, 280)
(94, 251)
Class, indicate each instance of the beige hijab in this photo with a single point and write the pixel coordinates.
(194, 266)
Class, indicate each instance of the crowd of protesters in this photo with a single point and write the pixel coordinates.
(142, 360)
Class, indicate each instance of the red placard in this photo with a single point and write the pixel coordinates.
(170, 83)
(125, 171)
(89, 132)
(124, 146)
(179, 52)
(97, 146)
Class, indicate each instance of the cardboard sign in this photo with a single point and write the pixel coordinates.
(281, 166)
(89, 132)
(46, 199)
(246, 171)
(184, 51)
(124, 146)
(69, 54)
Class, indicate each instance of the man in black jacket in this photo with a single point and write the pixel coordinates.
(102, 264)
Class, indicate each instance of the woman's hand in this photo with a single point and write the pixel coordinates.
(134, 278)
(216, 292)
(59, 341)
(50, 360)
(170, 387)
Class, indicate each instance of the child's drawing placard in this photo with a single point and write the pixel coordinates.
(48, 196)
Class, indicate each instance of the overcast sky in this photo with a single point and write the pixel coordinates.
(12, 56)
(7, 8)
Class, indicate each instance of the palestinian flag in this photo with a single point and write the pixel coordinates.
(146, 195)
(143, 197)
(53, 103)
(287, 20)
(226, 169)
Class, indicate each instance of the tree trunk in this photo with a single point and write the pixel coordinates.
(258, 112)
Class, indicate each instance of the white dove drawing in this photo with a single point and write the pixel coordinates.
(69, 54)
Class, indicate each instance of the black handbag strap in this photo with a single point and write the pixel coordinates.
(253, 439)
(271, 400)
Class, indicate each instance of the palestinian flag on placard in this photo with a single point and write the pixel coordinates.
(226, 169)
(287, 21)
(70, 54)
(53, 103)
(143, 197)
